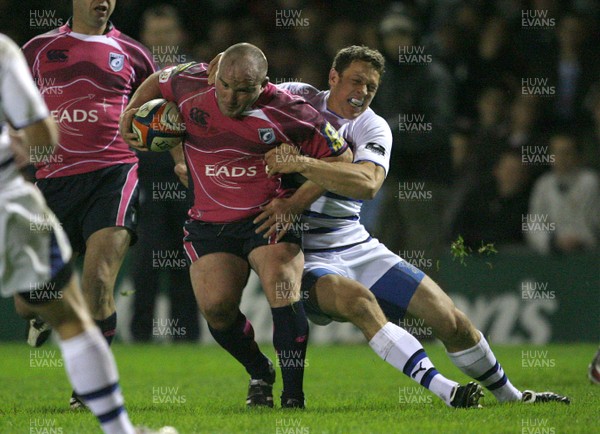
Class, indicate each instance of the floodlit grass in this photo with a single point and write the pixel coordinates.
(201, 389)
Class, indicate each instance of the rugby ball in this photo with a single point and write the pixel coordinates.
(158, 125)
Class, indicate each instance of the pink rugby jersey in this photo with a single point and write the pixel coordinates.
(86, 81)
(225, 156)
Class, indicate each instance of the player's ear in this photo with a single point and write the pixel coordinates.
(333, 76)
(265, 82)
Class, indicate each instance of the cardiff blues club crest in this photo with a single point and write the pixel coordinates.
(116, 61)
(266, 135)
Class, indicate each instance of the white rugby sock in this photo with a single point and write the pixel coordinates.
(405, 353)
(480, 363)
(93, 373)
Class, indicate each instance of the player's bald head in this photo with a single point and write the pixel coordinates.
(246, 61)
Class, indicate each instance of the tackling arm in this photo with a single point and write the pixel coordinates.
(356, 180)
(302, 198)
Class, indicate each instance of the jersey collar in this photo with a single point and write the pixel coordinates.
(68, 27)
(341, 120)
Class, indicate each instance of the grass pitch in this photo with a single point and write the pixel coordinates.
(201, 389)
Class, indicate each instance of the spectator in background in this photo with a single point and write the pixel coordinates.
(342, 32)
(465, 173)
(523, 122)
(572, 72)
(591, 136)
(564, 210)
(523, 131)
(163, 207)
(491, 128)
(492, 212)
(497, 62)
(417, 100)
(221, 34)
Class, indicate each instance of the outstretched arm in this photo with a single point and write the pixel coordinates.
(356, 180)
(278, 214)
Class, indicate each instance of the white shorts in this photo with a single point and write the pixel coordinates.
(33, 246)
(392, 280)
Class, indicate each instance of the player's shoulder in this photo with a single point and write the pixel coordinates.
(298, 88)
(372, 122)
(43, 39)
(287, 101)
(183, 70)
(128, 43)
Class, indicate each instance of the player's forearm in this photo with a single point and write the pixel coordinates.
(177, 154)
(357, 181)
(148, 90)
(304, 196)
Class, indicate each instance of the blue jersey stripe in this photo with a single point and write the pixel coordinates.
(322, 230)
(337, 196)
(327, 216)
(337, 249)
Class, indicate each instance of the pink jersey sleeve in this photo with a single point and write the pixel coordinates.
(175, 81)
(304, 125)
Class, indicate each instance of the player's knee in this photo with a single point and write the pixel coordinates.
(283, 290)
(454, 325)
(465, 330)
(220, 315)
(357, 304)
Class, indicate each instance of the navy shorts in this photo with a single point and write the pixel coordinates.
(88, 202)
(238, 238)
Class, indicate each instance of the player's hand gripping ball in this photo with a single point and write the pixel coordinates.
(158, 125)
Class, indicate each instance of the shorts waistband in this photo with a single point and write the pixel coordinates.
(338, 249)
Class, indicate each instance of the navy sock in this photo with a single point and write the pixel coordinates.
(239, 341)
(290, 338)
(108, 327)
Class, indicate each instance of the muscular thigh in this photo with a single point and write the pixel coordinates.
(431, 303)
(218, 279)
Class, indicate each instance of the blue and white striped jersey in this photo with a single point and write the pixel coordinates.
(333, 220)
(20, 102)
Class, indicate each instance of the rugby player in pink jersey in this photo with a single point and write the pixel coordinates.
(86, 70)
(230, 126)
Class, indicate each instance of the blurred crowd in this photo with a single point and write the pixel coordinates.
(494, 106)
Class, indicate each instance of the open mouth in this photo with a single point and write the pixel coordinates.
(358, 103)
(101, 8)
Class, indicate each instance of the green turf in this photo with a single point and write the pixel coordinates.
(349, 390)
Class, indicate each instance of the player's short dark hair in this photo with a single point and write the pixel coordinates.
(347, 55)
